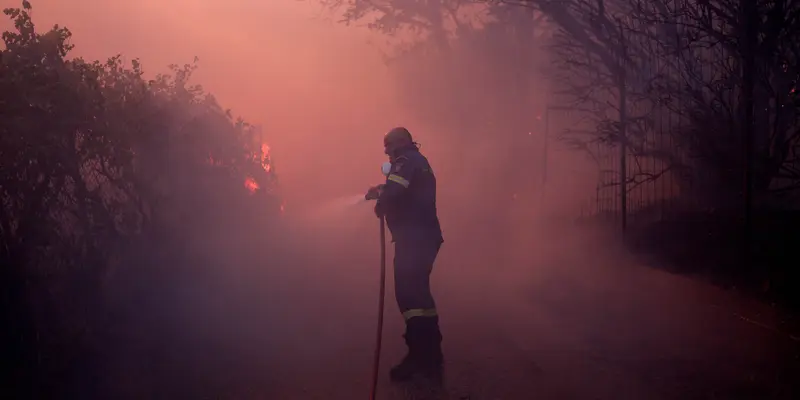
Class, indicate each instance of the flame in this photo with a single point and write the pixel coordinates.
(265, 161)
(251, 185)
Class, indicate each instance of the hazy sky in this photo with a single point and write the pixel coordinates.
(316, 86)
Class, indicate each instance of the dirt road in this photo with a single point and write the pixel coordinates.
(556, 314)
(578, 323)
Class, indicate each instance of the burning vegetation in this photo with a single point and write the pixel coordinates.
(263, 159)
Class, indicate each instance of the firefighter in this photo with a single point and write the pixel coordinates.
(408, 202)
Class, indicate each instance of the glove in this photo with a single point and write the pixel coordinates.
(374, 192)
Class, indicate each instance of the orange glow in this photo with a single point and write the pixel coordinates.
(265, 157)
(251, 185)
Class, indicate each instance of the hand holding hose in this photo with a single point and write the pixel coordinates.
(374, 192)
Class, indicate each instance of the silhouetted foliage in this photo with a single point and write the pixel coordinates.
(102, 171)
(682, 66)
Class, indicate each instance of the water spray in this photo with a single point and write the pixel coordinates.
(351, 200)
(354, 200)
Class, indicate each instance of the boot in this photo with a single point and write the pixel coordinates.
(424, 356)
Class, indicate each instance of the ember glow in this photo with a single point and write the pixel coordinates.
(251, 185)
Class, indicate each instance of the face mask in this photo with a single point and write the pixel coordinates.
(386, 168)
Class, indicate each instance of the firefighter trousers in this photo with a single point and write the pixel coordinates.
(413, 263)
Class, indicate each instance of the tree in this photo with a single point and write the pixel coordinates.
(433, 20)
(682, 61)
(97, 163)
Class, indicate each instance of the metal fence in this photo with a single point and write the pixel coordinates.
(637, 180)
(650, 193)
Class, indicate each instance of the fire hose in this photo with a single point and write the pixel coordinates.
(385, 169)
(381, 299)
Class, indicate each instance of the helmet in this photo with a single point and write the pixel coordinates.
(398, 136)
(395, 139)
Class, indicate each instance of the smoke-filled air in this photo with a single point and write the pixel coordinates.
(193, 192)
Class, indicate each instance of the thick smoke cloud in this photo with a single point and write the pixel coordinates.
(531, 304)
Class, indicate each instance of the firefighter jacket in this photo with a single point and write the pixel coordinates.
(408, 199)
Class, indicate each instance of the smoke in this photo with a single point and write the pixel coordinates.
(339, 205)
(286, 309)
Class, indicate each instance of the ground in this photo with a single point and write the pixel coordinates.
(583, 322)
(564, 316)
